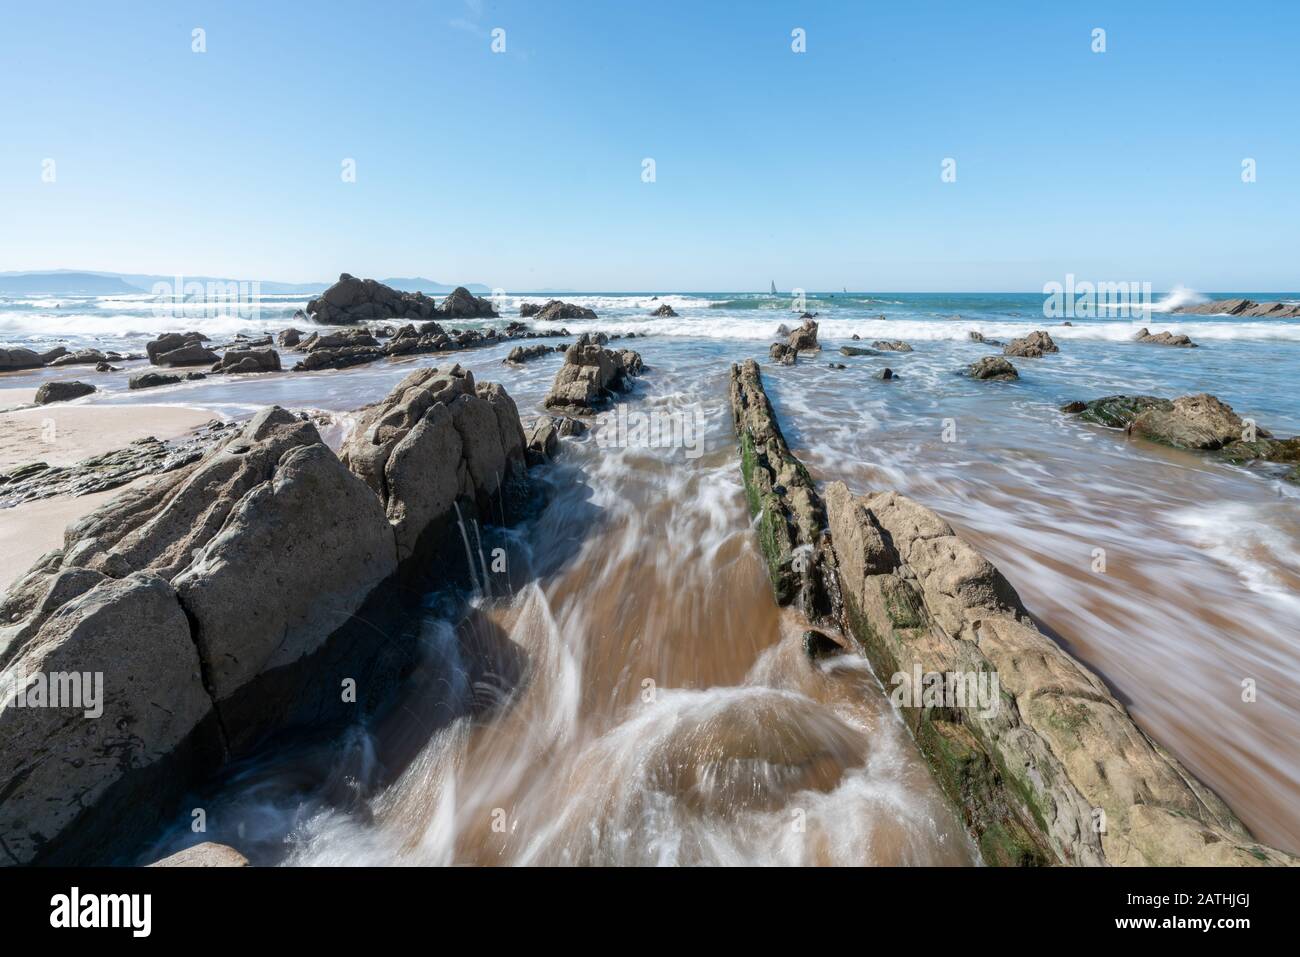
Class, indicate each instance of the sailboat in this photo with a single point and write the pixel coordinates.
(773, 287)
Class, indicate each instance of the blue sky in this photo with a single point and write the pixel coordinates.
(523, 169)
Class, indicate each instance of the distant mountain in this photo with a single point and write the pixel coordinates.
(420, 284)
(67, 282)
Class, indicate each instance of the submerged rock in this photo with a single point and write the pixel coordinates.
(1164, 339)
(891, 345)
(62, 391)
(993, 367)
(1033, 346)
(976, 336)
(521, 354)
(858, 351)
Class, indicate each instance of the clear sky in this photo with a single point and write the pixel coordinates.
(523, 169)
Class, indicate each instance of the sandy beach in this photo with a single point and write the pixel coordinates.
(61, 435)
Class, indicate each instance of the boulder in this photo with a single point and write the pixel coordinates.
(804, 339)
(55, 353)
(1164, 339)
(782, 353)
(993, 367)
(191, 354)
(149, 380)
(62, 391)
(887, 375)
(557, 311)
(352, 300)
(590, 375)
(521, 354)
(249, 360)
(664, 312)
(1115, 411)
(1032, 346)
(857, 351)
(542, 440)
(82, 357)
(1191, 422)
(891, 345)
(170, 342)
(288, 338)
(12, 359)
(462, 304)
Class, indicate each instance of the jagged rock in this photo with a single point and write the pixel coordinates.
(782, 353)
(193, 354)
(1243, 308)
(521, 354)
(804, 339)
(1191, 422)
(1032, 346)
(543, 440)
(664, 312)
(891, 345)
(1029, 768)
(781, 496)
(462, 304)
(528, 309)
(288, 338)
(62, 391)
(207, 854)
(338, 350)
(352, 300)
(238, 361)
(1164, 339)
(993, 367)
(557, 311)
(170, 342)
(11, 359)
(149, 380)
(589, 376)
(979, 337)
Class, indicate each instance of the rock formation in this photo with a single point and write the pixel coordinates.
(891, 345)
(590, 375)
(993, 367)
(62, 391)
(555, 311)
(13, 359)
(664, 312)
(1164, 339)
(1032, 346)
(239, 361)
(804, 339)
(352, 300)
(1243, 309)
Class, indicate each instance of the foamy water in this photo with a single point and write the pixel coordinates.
(644, 568)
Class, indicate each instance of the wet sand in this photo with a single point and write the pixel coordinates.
(63, 433)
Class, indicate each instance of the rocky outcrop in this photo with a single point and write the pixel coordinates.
(782, 353)
(521, 354)
(352, 300)
(14, 359)
(255, 590)
(207, 854)
(110, 470)
(664, 312)
(781, 497)
(1198, 423)
(992, 367)
(1033, 346)
(436, 440)
(891, 345)
(590, 375)
(1164, 339)
(1243, 308)
(1052, 769)
(62, 391)
(555, 311)
(241, 361)
(170, 342)
(462, 304)
(804, 338)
